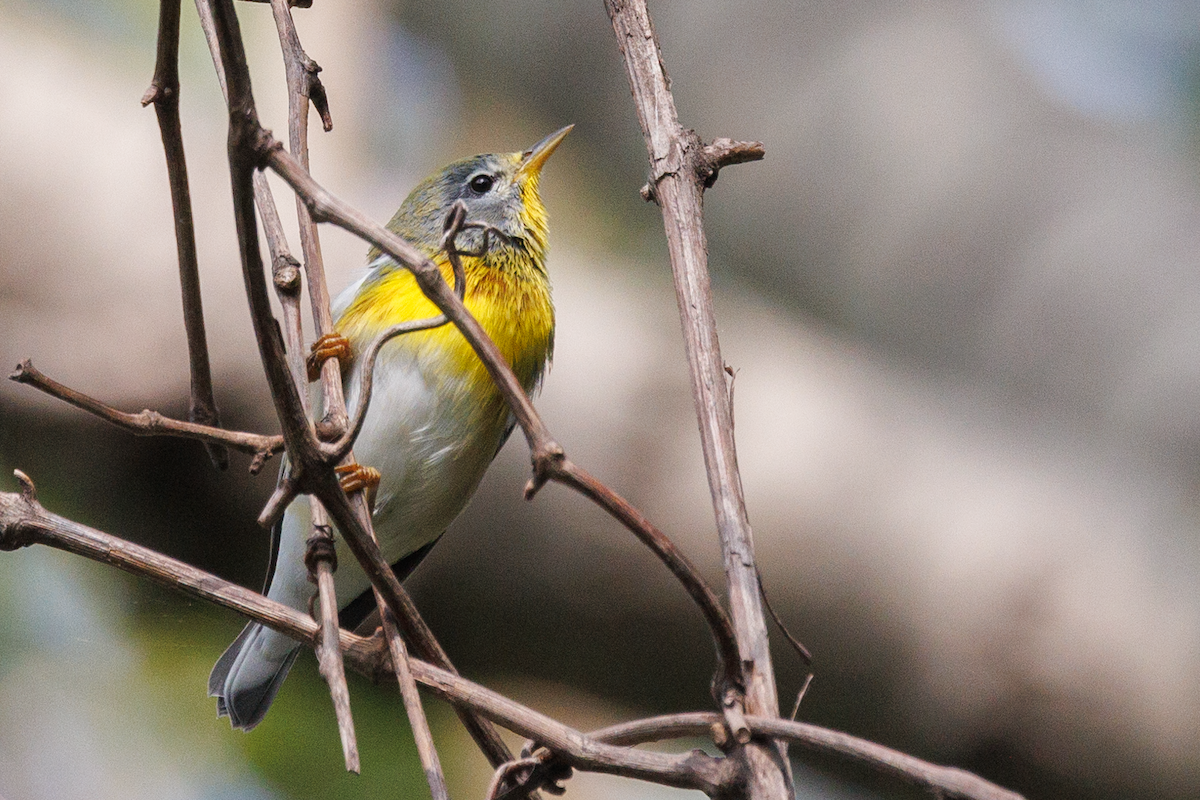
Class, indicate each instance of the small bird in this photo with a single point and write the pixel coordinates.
(436, 419)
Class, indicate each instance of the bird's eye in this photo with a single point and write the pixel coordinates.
(480, 184)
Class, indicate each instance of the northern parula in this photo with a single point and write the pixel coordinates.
(436, 419)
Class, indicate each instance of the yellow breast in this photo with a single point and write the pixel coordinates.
(506, 292)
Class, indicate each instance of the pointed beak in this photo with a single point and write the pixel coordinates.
(533, 158)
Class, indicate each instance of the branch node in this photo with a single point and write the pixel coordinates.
(735, 717)
(263, 146)
(316, 92)
(283, 495)
(156, 93)
(723, 152)
(286, 273)
(548, 459)
(28, 490)
(24, 372)
(648, 193)
(319, 547)
(720, 736)
(259, 461)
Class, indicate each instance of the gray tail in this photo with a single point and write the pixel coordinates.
(249, 673)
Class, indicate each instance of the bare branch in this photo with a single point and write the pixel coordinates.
(402, 666)
(948, 781)
(577, 478)
(321, 560)
(320, 557)
(724, 152)
(303, 86)
(24, 522)
(151, 423)
(680, 168)
(164, 94)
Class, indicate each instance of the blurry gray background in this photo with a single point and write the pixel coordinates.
(962, 296)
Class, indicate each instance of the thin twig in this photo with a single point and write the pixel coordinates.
(796, 644)
(151, 423)
(164, 94)
(455, 224)
(402, 666)
(950, 781)
(808, 679)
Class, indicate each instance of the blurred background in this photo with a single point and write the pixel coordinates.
(961, 294)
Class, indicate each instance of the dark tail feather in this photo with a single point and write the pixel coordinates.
(245, 687)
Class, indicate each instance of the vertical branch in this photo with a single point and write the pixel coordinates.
(304, 86)
(246, 140)
(680, 168)
(320, 557)
(321, 564)
(164, 94)
(302, 77)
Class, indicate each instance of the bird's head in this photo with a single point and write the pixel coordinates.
(499, 190)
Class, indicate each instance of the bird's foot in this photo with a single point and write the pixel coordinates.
(356, 477)
(331, 345)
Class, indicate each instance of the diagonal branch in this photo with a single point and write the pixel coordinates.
(310, 473)
(151, 423)
(164, 94)
(24, 522)
(304, 86)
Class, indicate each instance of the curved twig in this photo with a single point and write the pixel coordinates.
(336, 451)
(455, 224)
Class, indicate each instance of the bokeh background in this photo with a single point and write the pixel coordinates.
(962, 296)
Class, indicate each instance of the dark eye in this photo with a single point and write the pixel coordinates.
(480, 184)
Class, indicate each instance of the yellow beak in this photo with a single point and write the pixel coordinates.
(533, 158)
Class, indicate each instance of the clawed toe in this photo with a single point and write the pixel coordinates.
(356, 477)
(331, 345)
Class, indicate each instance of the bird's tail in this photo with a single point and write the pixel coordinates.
(249, 673)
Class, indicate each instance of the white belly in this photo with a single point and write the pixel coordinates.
(430, 461)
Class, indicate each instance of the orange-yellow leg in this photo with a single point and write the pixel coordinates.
(356, 477)
(331, 345)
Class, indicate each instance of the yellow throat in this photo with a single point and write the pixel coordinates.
(507, 288)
